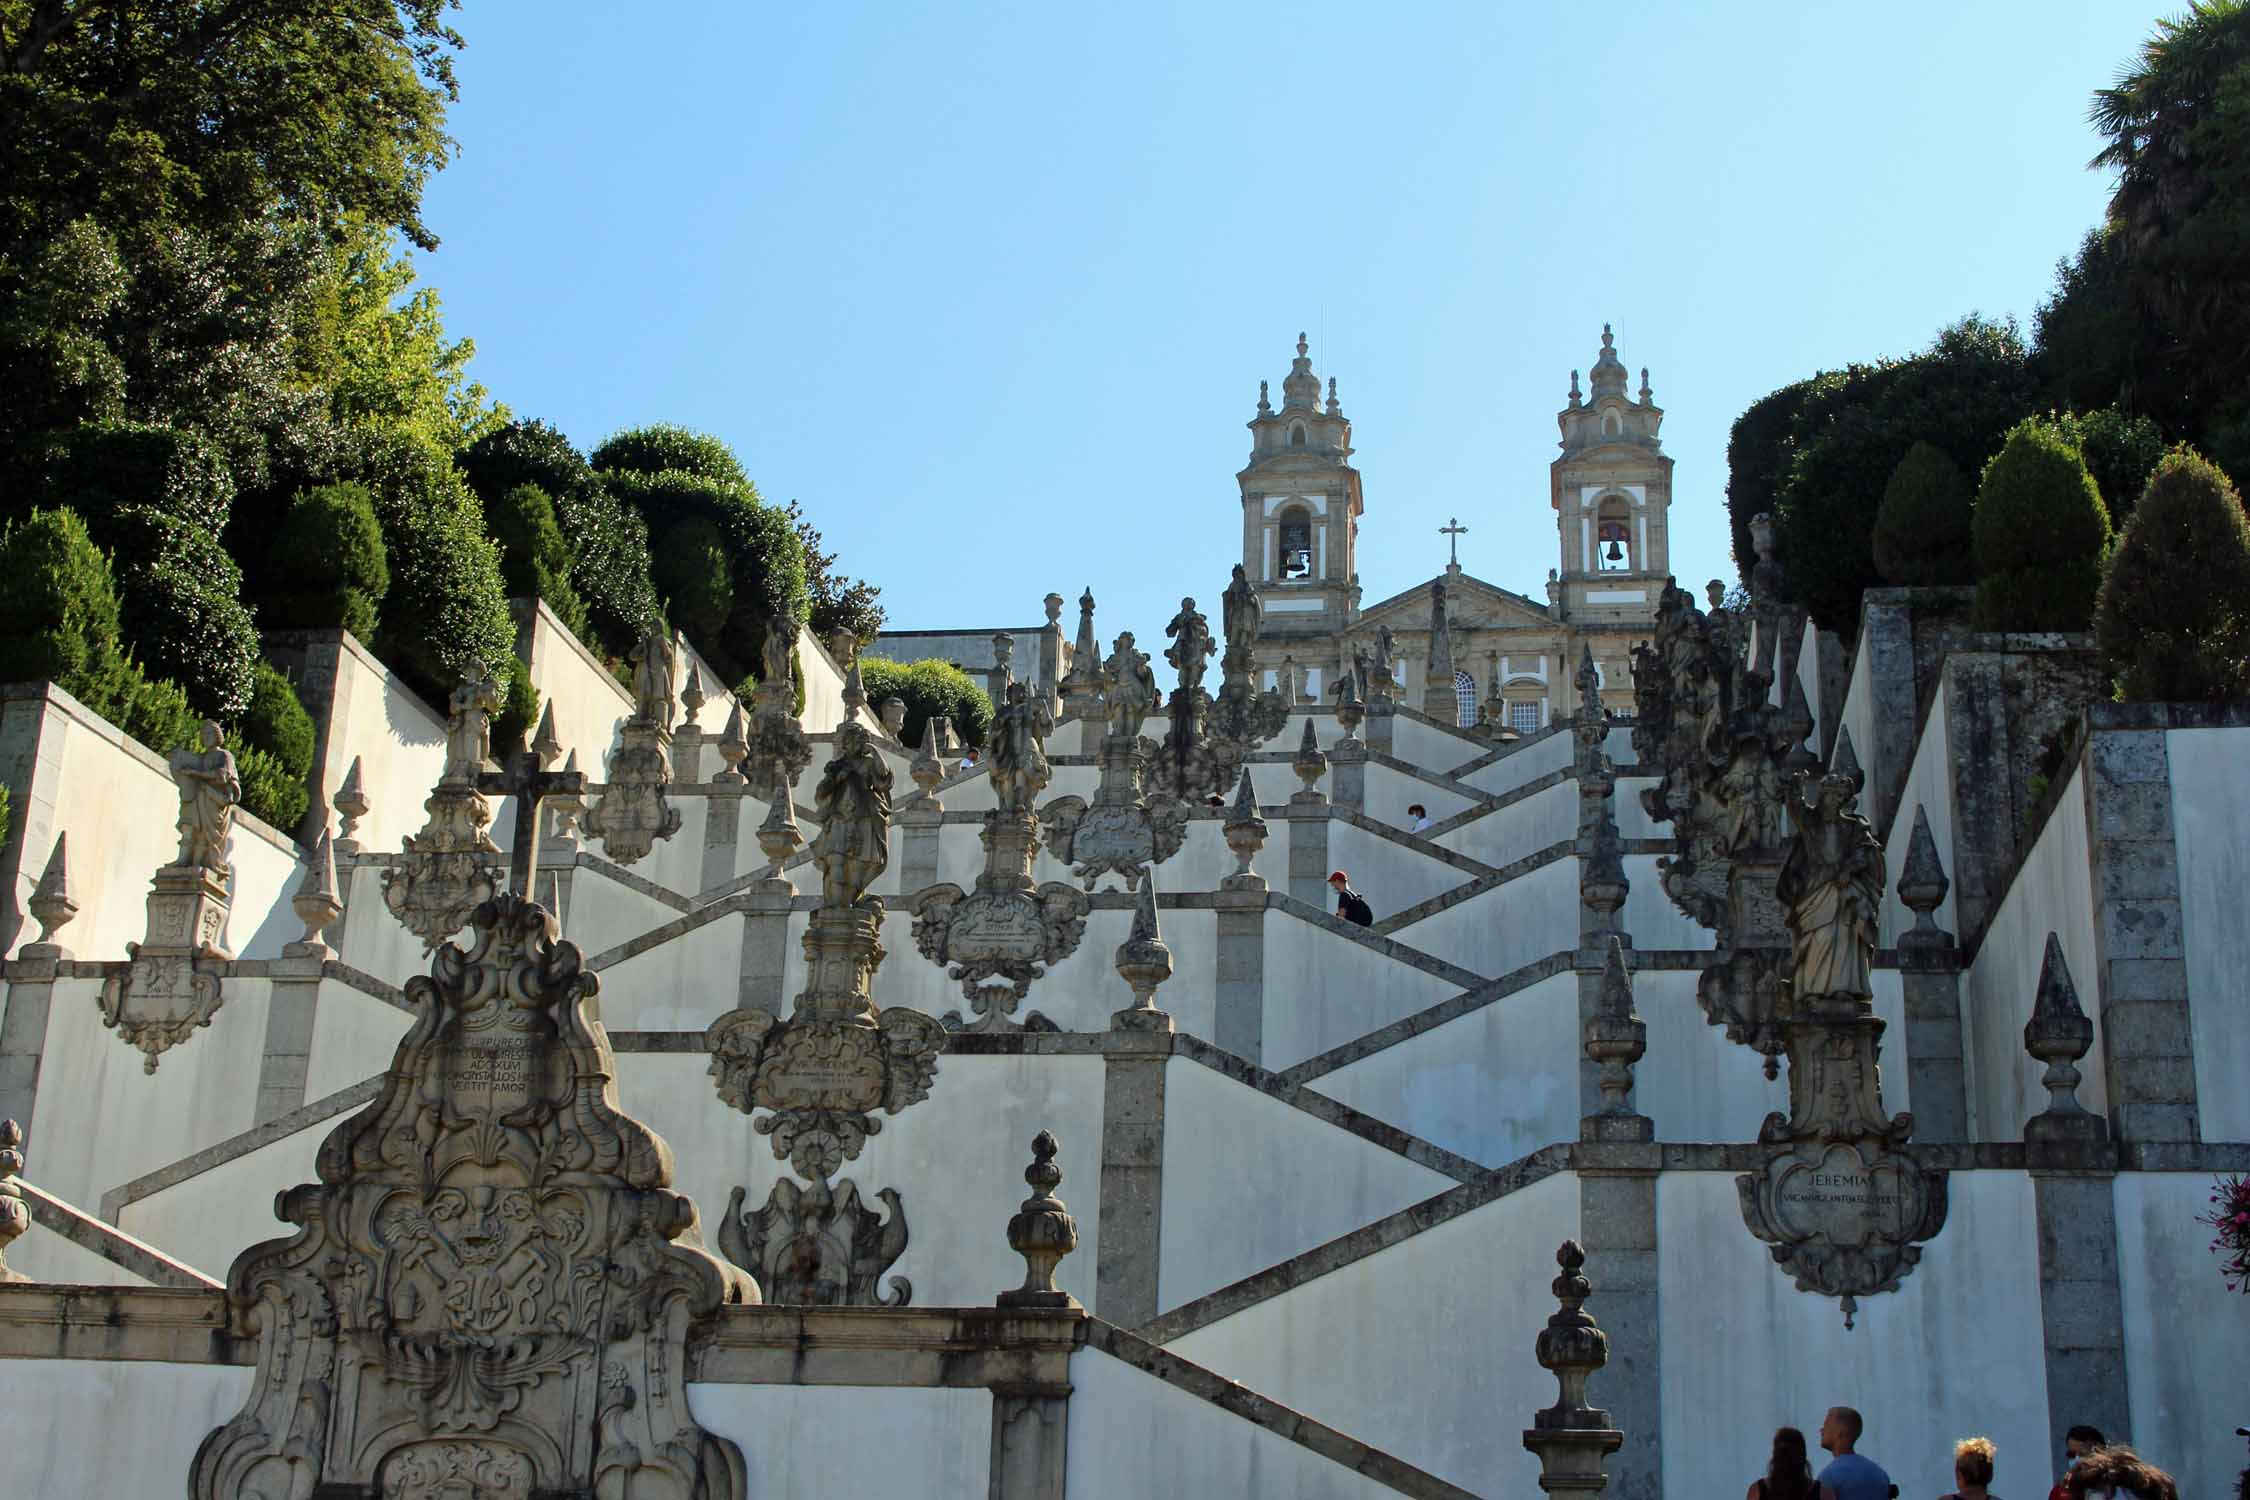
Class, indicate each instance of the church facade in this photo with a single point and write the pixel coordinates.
(1464, 650)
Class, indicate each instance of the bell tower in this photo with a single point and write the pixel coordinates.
(1300, 508)
(1612, 493)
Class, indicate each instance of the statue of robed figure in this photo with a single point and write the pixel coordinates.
(1831, 887)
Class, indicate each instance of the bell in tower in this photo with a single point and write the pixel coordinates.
(1300, 512)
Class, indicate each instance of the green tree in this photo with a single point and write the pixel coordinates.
(666, 447)
(446, 606)
(2173, 621)
(1922, 527)
(2041, 532)
(2121, 452)
(1758, 452)
(835, 601)
(2095, 344)
(1960, 395)
(534, 558)
(273, 747)
(693, 577)
(327, 566)
(929, 688)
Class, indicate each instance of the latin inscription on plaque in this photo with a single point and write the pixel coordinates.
(504, 1069)
(1842, 1198)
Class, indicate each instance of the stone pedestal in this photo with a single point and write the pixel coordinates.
(1030, 1433)
(722, 834)
(1347, 774)
(2081, 1309)
(187, 911)
(164, 994)
(1382, 717)
(765, 946)
(920, 830)
(1308, 853)
(291, 1011)
(1132, 1187)
(23, 1027)
(1239, 1022)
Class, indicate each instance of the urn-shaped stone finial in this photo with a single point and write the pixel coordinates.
(1042, 1231)
(1245, 835)
(52, 904)
(1310, 765)
(317, 901)
(734, 747)
(927, 768)
(565, 810)
(1921, 882)
(1602, 882)
(779, 838)
(855, 691)
(351, 805)
(1797, 723)
(1571, 1437)
(1143, 962)
(2059, 1034)
(1350, 712)
(692, 697)
(15, 1214)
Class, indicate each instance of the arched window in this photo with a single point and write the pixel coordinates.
(1465, 699)
(1613, 537)
(1295, 558)
(1610, 425)
(1297, 435)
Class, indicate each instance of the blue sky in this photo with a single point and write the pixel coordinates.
(990, 290)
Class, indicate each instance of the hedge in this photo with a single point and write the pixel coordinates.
(534, 557)
(929, 688)
(694, 579)
(327, 565)
(2041, 534)
(765, 558)
(2173, 618)
(665, 447)
(447, 606)
(1922, 527)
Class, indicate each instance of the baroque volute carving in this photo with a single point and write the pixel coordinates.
(826, 1069)
(15, 1214)
(492, 1288)
(819, 1247)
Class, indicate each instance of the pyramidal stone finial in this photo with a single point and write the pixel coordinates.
(693, 696)
(1245, 834)
(1845, 762)
(1144, 961)
(1042, 1231)
(546, 745)
(1310, 765)
(927, 768)
(351, 805)
(855, 691)
(1589, 683)
(1922, 884)
(52, 904)
(2059, 1034)
(734, 746)
(1616, 1039)
(316, 901)
(565, 811)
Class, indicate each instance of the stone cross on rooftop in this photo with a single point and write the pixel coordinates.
(1452, 531)
(529, 779)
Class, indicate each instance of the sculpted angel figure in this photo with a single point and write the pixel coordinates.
(468, 725)
(1239, 611)
(1132, 687)
(1832, 886)
(1191, 646)
(853, 803)
(209, 790)
(1016, 752)
(652, 677)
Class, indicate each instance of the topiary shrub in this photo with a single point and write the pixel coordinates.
(185, 619)
(2120, 450)
(693, 579)
(1922, 527)
(327, 566)
(2173, 620)
(269, 791)
(664, 447)
(447, 606)
(519, 708)
(610, 566)
(60, 623)
(277, 722)
(929, 688)
(534, 558)
(2041, 534)
(100, 470)
(765, 557)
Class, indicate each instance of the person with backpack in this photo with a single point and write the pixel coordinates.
(1350, 905)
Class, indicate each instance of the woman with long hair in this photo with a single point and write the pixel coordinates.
(1788, 1473)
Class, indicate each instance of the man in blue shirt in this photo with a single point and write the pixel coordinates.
(1849, 1476)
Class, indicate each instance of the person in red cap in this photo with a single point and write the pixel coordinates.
(1350, 905)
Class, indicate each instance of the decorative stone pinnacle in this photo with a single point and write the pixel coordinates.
(1602, 882)
(1921, 882)
(1265, 402)
(1645, 392)
(316, 902)
(692, 696)
(566, 810)
(1053, 604)
(927, 768)
(1245, 835)
(1143, 962)
(1589, 683)
(2059, 1034)
(1350, 712)
(1042, 1231)
(1845, 762)
(1310, 765)
(779, 837)
(734, 747)
(1570, 1437)
(546, 746)
(15, 1214)
(1335, 407)
(855, 690)
(350, 803)
(52, 904)
(1616, 1039)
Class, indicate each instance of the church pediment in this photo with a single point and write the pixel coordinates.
(1475, 605)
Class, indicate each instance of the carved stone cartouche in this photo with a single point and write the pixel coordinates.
(492, 1288)
(817, 1247)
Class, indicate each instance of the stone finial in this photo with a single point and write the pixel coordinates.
(1350, 712)
(1575, 397)
(843, 644)
(546, 745)
(734, 747)
(1310, 765)
(1616, 1039)
(1042, 1231)
(1245, 835)
(1602, 882)
(1335, 407)
(52, 904)
(893, 714)
(855, 690)
(1921, 883)
(15, 1214)
(1053, 604)
(1570, 1437)
(928, 768)
(692, 696)
(565, 811)
(778, 836)
(1265, 400)
(1143, 962)
(1797, 723)
(1645, 391)
(316, 902)
(2059, 1034)
(1845, 762)
(1588, 681)
(350, 803)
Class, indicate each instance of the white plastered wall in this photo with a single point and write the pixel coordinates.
(215, 1215)
(933, 1442)
(1250, 1181)
(2186, 1340)
(1929, 784)
(1956, 1351)
(398, 739)
(1507, 834)
(1526, 764)
(1344, 1348)
(354, 1037)
(152, 1418)
(1504, 928)
(2211, 826)
(1323, 990)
